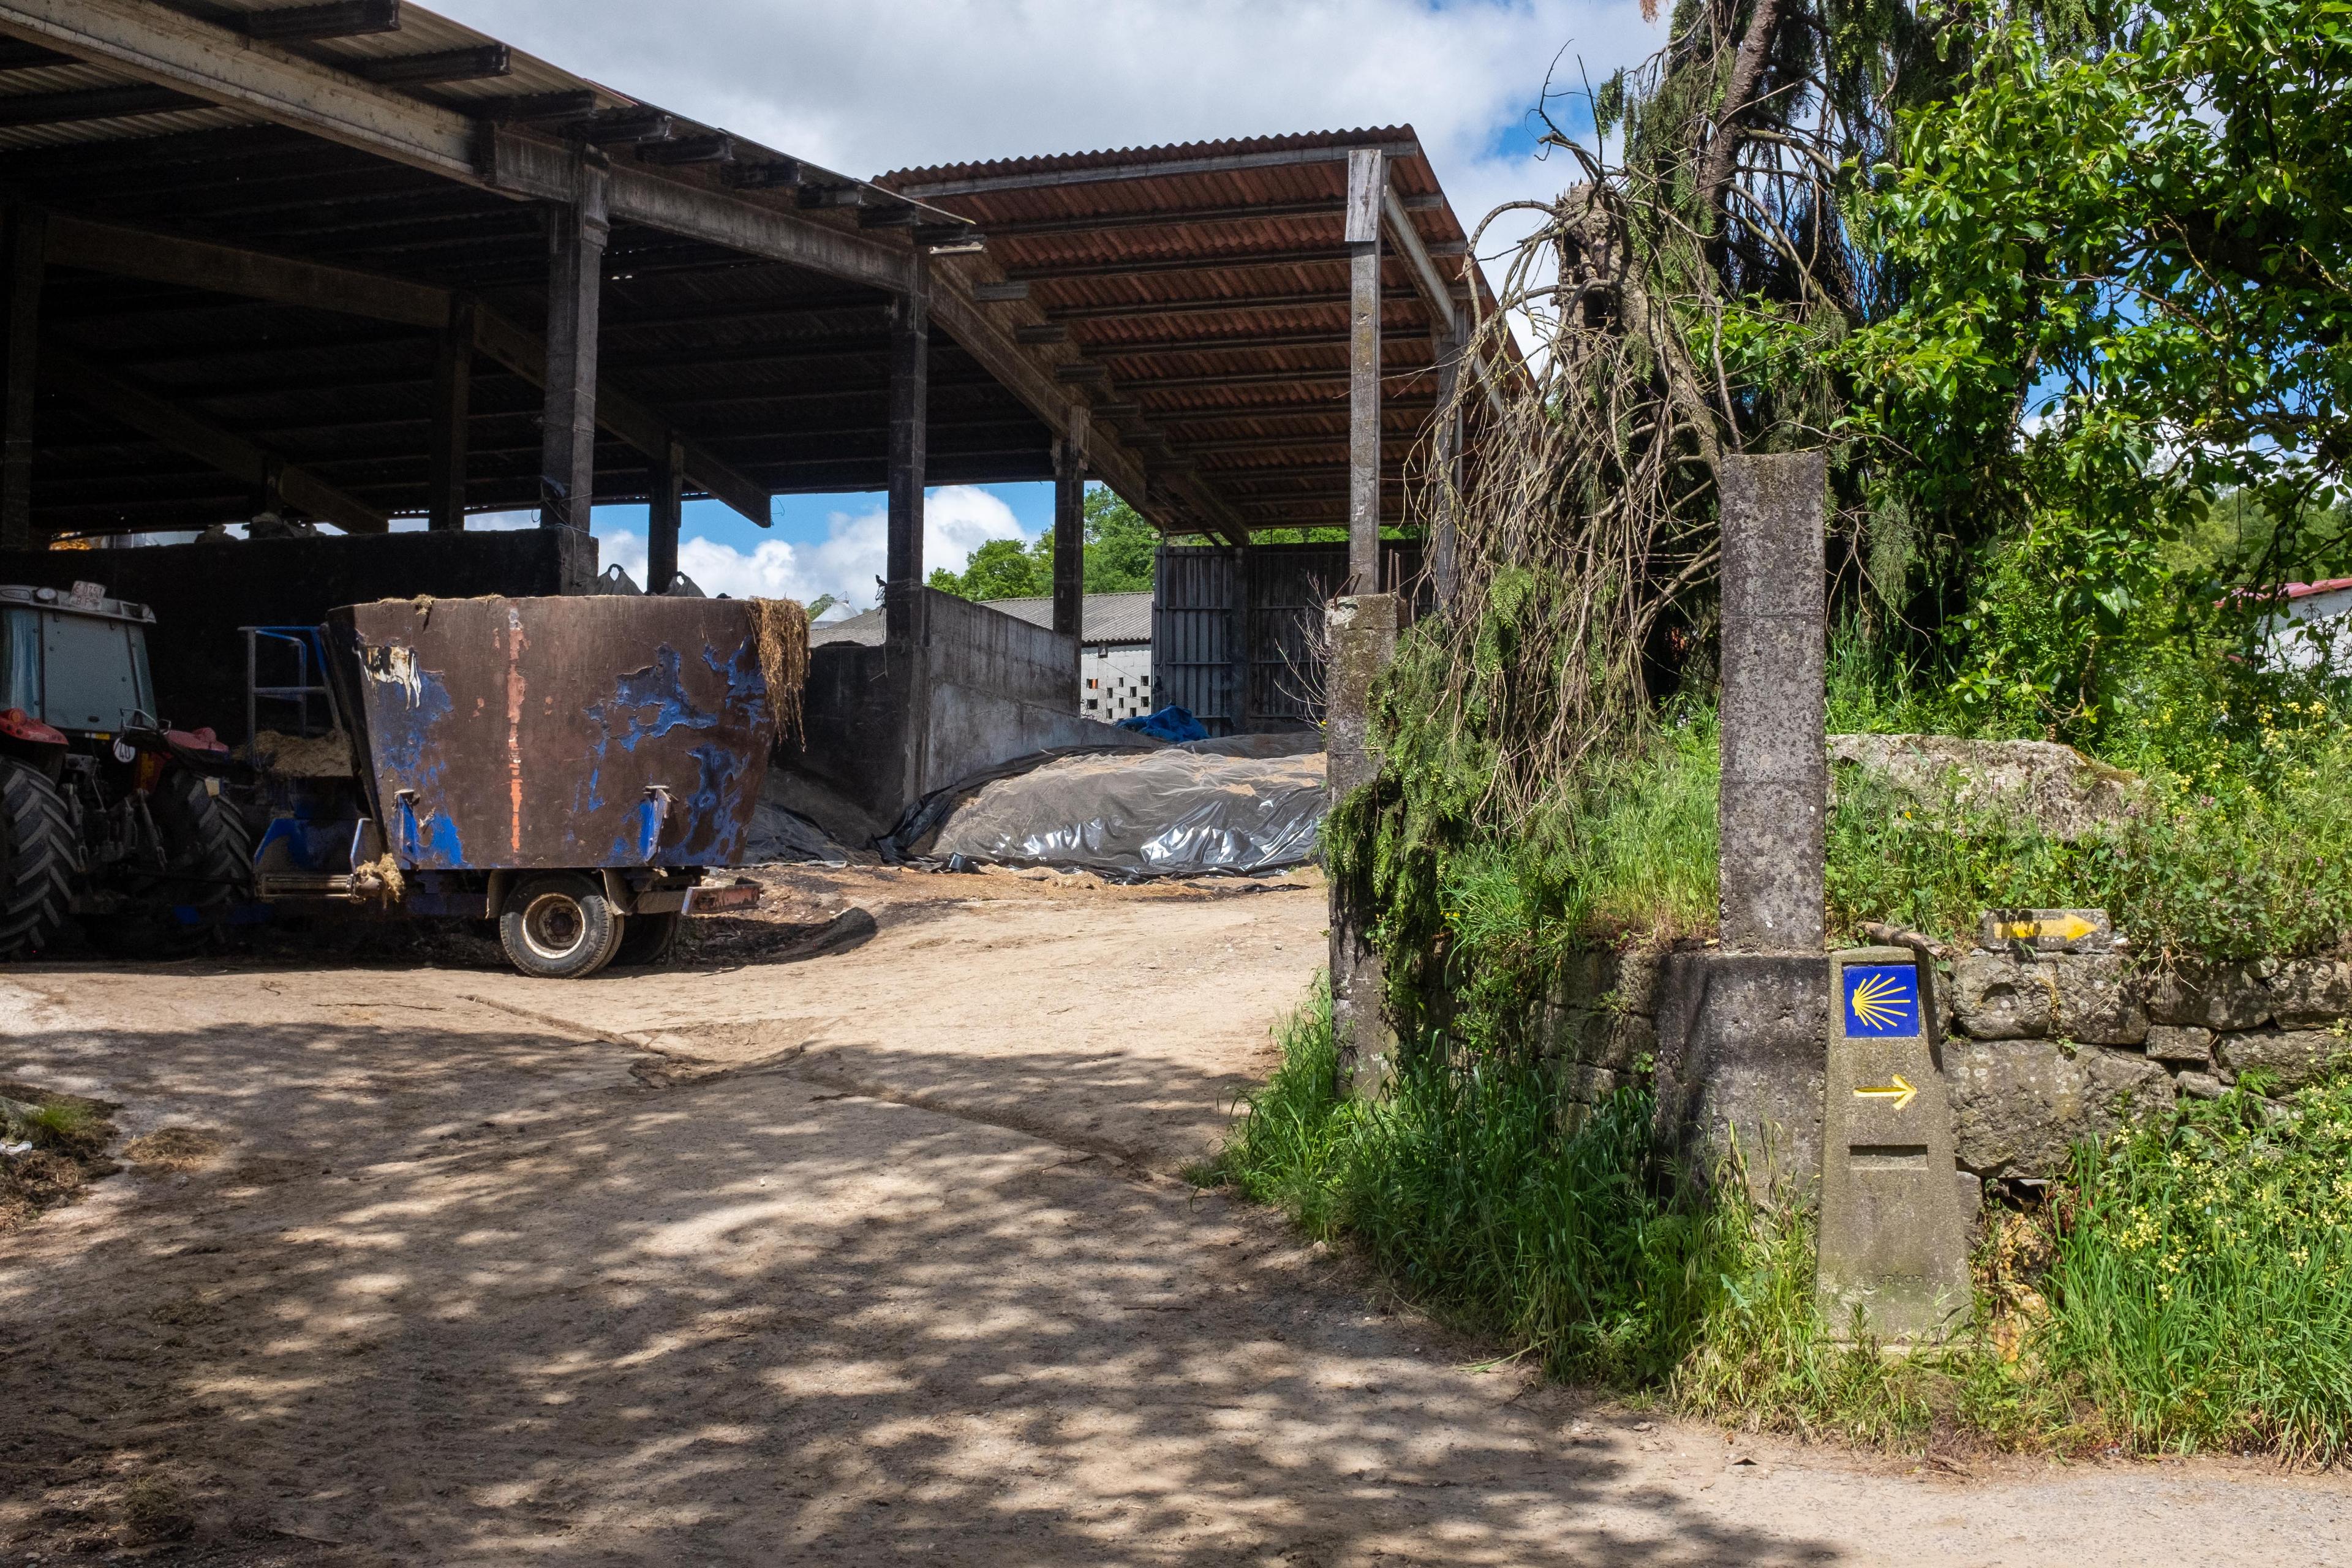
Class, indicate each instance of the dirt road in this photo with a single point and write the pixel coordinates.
(858, 1240)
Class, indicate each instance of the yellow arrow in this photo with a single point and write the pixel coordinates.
(1899, 1091)
(2072, 928)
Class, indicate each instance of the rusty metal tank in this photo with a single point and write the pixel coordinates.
(542, 734)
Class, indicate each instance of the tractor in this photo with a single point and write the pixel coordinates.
(106, 812)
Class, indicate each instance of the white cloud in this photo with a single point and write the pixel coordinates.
(957, 521)
(894, 83)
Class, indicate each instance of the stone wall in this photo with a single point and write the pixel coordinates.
(2047, 1049)
(2038, 1052)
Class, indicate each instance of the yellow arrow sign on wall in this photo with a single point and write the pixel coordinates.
(1900, 1091)
(2069, 927)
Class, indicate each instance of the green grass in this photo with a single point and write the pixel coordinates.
(2186, 1293)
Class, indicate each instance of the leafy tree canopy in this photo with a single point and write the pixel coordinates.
(1120, 552)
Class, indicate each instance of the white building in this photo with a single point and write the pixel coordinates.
(2315, 623)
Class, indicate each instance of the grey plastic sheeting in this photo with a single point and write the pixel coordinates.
(1179, 812)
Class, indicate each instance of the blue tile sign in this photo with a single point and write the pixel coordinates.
(1881, 1001)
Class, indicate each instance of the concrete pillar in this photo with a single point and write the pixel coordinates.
(28, 266)
(576, 231)
(1367, 178)
(1362, 630)
(1775, 788)
(453, 392)
(1893, 1231)
(910, 374)
(665, 513)
(1237, 642)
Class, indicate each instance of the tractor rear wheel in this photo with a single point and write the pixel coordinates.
(207, 846)
(39, 856)
(559, 926)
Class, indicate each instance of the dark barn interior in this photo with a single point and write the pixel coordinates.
(328, 263)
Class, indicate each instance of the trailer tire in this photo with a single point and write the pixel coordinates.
(40, 855)
(559, 926)
(649, 939)
(210, 847)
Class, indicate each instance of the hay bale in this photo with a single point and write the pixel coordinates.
(781, 628)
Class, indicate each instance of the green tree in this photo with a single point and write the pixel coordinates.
(1121, 556)
(2129, 292)
(1122, 549)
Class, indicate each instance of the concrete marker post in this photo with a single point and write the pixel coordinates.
(1892, 1241)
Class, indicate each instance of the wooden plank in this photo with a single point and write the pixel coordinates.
(1139, 169)
(332, 19)
(1436, 293)
(1168, 218)
(246, 274)
(575, 282)
(1368, 176)
(200, 438)
(453, 384)
(25, 271)
(1146, 310)
(478, 63)
(163, 45)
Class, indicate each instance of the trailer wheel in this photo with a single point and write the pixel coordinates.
(650, 938)
(39, 856)
(559, 926)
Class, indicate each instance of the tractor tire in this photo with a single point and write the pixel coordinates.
(560, 926)
(650, 940)
(209, 847)
(40, 855)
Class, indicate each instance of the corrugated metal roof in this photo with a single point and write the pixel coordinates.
(1107, 618)
(1203, 287)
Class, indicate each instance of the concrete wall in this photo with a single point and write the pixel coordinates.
(202, 594)
(1115, 682)
(972, 689)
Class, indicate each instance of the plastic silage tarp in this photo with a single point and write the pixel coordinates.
(1173, 813)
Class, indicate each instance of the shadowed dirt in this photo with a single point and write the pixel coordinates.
(836, 1249)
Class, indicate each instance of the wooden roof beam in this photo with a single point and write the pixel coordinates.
(176, 428)
(1147, 309)
(213, 63)
(201, 264)
(332, 20)
(1435, 292)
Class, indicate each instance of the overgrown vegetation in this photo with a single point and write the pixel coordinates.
(2183, 1290)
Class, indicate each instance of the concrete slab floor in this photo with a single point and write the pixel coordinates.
(856, 1240)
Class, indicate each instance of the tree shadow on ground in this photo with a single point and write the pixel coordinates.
(447, 1301)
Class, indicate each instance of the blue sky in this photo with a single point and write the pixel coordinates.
(890, 84)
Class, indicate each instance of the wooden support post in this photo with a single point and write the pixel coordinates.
(1238, 646)
(1368, 180)
(910, 352)
(453, 392)
(575, 275)
(1070, 544)
(664, 511)
(1444, 541)
(26, 264)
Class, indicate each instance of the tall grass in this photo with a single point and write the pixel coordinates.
(1576, 1243)
(2202, 1288)
(2187, 1293)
